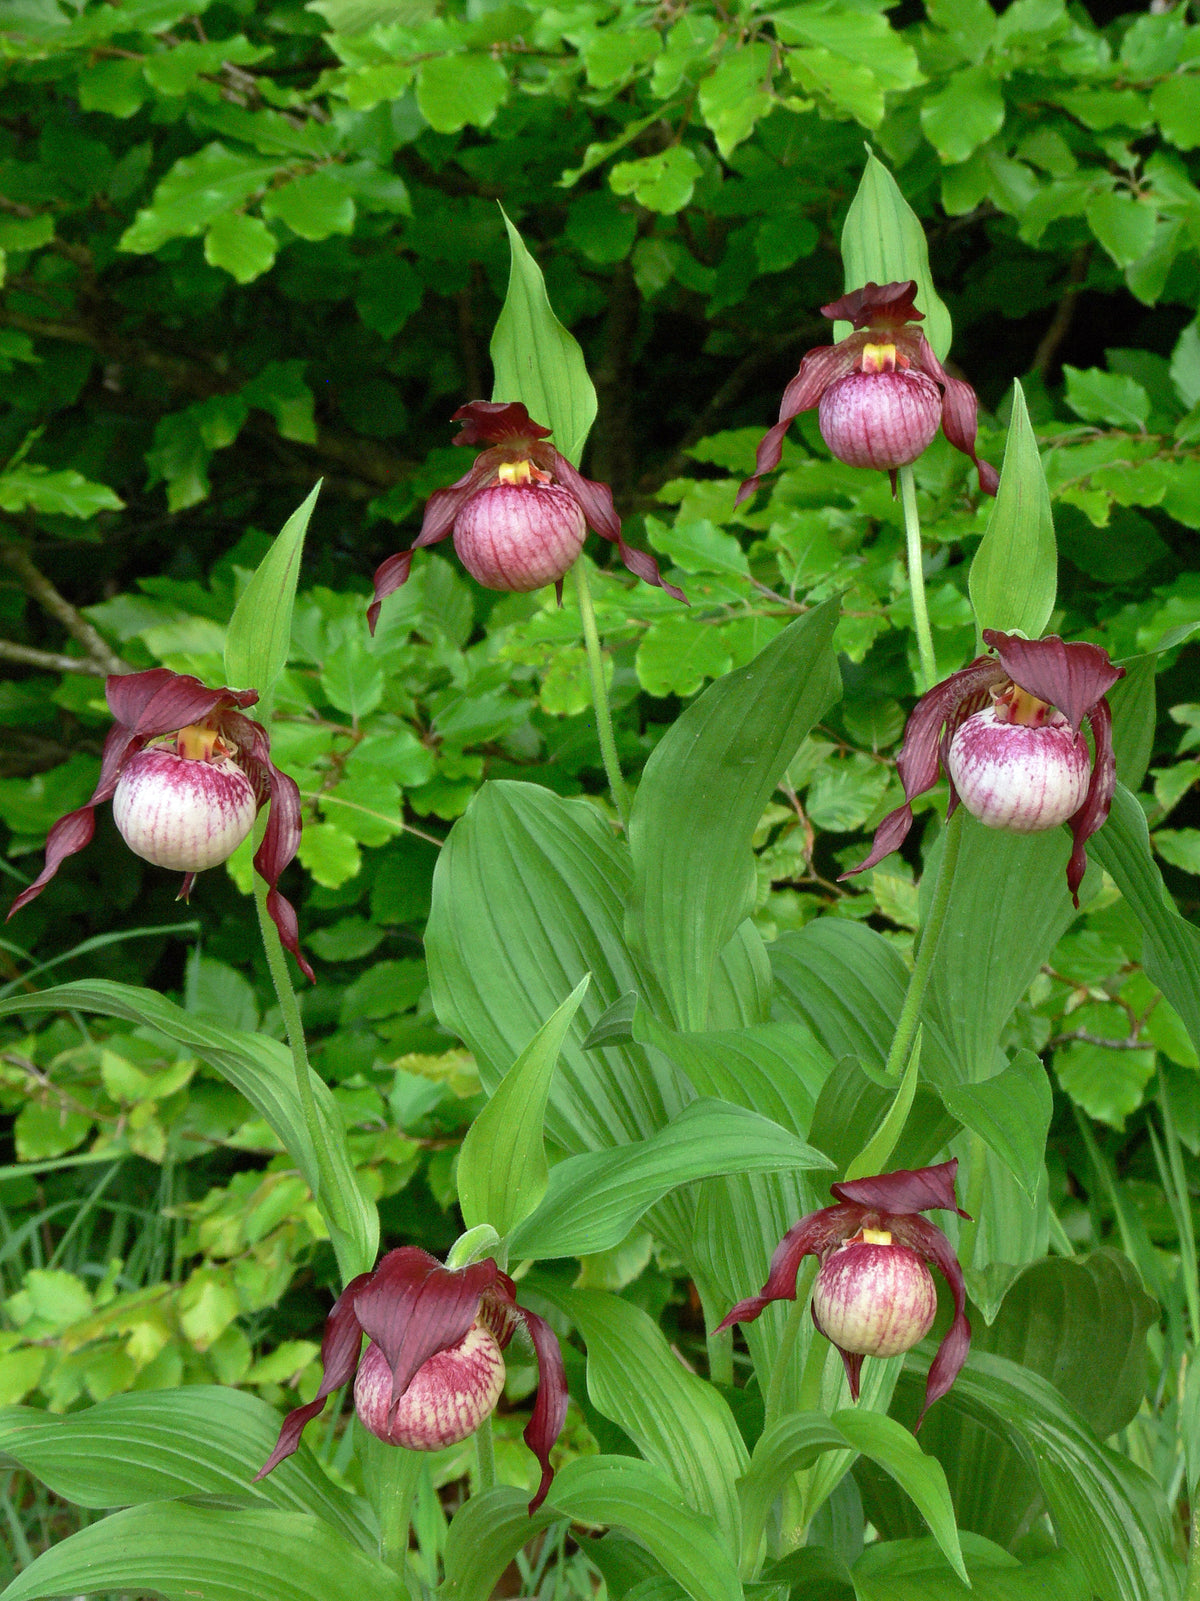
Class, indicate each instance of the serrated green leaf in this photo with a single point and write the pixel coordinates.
(1108, 397)
(194, 192)
(65, 493)
(244, 246)
(313, 206)
(536, 360)
(461, 90)
(502, 1167)
(964, 115)
(1014, 576)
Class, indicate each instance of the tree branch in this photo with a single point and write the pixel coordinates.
(37, 585)
(51, 660)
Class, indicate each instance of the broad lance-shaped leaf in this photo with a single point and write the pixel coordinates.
(502, 1167)
(1011, 1114)
(593, 1200)
(1014, 576)
(1172, 952)
(678, 1422)
(535, 359)
(153, 1445)
(260, 630)
(914, 1570)
(220, 1553)
(694, 885)
(263, 1071)
(883, 242)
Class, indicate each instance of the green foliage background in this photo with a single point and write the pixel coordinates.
(249, 245)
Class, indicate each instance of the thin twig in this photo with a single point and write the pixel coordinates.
(60, 608)
(51, 660)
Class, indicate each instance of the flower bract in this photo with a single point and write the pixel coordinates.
(874, 1295)
(519, 515)
(187, 773)
(432, 1370)
(1007, 730)
(881, 391)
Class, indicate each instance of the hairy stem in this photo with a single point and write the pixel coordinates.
(397, 1476)
(485, 1455)
(910, 1012)
(604, 724)
(916, 579)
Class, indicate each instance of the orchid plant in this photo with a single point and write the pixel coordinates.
(645, 1072)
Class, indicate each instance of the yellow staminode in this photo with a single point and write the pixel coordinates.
(199, 743)
(876, 1237)
(879, 358)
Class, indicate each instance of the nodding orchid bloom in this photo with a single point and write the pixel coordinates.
(432, 1370)
(187, 774)
(520, 514)
(882, 392)
(1007, 729)
(874, 1294)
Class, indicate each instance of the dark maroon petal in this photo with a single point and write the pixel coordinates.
(487, 422)
(159, 701)
(1096, 803)
(906, 1190)
(389, 575)
(68, 836)
(1073, 678)
(876, 305)
(960, 411)
(185, 889)
(600, 515)
(920, 755)
(820, 368)
(414, 1307)
(339, 1357)
(851, 1360)
(812, 1235)
(927, 1239)
(550, 1406)
(442, 507)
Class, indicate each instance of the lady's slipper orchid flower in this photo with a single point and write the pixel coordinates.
(433, 1370)
(519, 516)
(1007, 730)
(187, 774)
(874, 1294)
(881, 391)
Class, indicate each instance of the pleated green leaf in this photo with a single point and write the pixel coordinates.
(502, 1167)
(593, 1200)
(260, 630)
(485, 1535)
(1011, 1114)
(535, 359)
(1014, 576)
(915, 1570)
(181, 1552)
(262, 1070)
(157, 1444)
(693, 886)
(1107, 1511)
(921, 1477)
(883, 242)
(679, 1422)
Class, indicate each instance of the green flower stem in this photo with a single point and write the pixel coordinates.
(805, 1279)
(326, 1186)
(916, 579)
(910, 1012)
(396, 1480)
(485, 1455)
(604, 724)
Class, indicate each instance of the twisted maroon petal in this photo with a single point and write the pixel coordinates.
(906, 1190)
(68, 836)
(550, 1404)
(339, 1357)
(159, 701)
(413, 1307)
(813, 1234)
(877, 306)
(920, 755)
(1072, 677)
(929, 1241)
(960, 413)
(488, 422)
(820, 368)
(441, 509)
(1096, 803)
(601, 516)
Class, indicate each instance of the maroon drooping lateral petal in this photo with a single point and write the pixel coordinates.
(492, 422)
(946, 704)
(340, 1345)
(1073, 678)
(820, 368)
(550, 1405)
(281, 839)
(906, 1190)
(928, 1241)
(1098, 800)
(852, 1361)
(601, 516)
(413, 1307)
(960, 412)
(814, 1233)
(877, 306)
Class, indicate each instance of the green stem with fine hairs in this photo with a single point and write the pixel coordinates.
(916, 579)
(910, 1012)
(485, 1455)
(604, 723)
(396, 1479)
